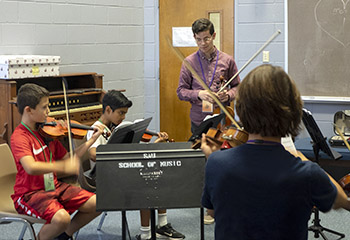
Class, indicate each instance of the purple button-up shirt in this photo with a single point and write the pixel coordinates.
(189, 87)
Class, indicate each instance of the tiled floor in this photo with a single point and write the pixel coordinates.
(183, 220)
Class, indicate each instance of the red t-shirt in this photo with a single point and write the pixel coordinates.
(23, 143)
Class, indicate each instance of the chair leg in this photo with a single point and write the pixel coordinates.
(32, 232)
(24, 228)
(104, 214)
(24, 221)
(76, 235)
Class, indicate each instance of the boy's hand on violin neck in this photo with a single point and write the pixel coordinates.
(162, 137)
(98, 130)
(62, 123)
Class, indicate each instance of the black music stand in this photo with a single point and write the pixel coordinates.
(145, 176)
(318, 140)
(205, 125)
(127, 134)
(203, 128)
(319, 143)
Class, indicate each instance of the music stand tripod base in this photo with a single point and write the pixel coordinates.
(319, 143)
(318, 229)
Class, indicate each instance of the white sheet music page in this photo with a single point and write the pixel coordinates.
(288, 144)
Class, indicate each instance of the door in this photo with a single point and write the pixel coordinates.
(175, 114)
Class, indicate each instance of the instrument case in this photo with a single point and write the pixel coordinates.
(342, 121)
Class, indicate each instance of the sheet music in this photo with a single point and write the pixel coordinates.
(124, 124)
(133, 131)
(288, 144)
(209, 117)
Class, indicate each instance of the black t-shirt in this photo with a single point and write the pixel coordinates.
(264, 192)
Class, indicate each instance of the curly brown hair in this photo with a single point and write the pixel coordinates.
(268, 102)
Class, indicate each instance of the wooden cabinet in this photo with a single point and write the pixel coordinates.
(84, 96)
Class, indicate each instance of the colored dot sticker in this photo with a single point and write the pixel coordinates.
(35, 71)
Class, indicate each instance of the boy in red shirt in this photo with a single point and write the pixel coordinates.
(37, 192)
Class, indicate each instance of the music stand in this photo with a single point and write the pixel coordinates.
(205, 125)
(130, 134)
(127, 134)
(319, 143)
(318, 140)
(145, 176)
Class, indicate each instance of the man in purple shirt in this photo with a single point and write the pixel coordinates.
(210, 64)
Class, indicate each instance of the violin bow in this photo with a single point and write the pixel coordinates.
(64, 84)
(202, 83)
(342, 136)
(251, 59)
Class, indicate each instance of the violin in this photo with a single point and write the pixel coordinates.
(147, 136)
(238, 131)
(56, 129)
(344, 182)
(229, 138)
(227, 122)
(217, 101)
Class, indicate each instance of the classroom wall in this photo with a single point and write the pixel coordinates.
(151, 63)
(256, 21)
(103, 36)
(120, 40)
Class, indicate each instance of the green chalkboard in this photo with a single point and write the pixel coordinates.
(319, 46)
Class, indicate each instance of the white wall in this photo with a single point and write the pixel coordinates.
(119, 38)
(103, 36)
(256, 21)
(151, 62)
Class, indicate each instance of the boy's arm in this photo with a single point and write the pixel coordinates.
(92, 154)
(81, 150)
(65, 166)
(341, 200)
